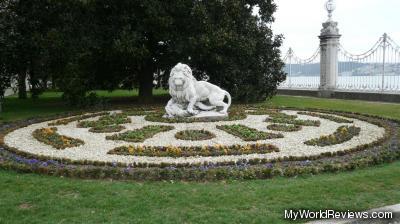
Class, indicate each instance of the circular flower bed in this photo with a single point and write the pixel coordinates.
(194, 135)
(262, 144)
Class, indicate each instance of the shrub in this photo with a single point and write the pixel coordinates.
(49, 136)
(326, 116)
(273, 113)
(139, 135)
(284, 127)
(106, 124)
(113, 119)
(66, 121)
(234, 115)
(174, 151)
(248, 134)
(107, 129)
(294, 121)
(194, 135)
(342, 134)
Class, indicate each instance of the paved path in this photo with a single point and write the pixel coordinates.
(393, 208)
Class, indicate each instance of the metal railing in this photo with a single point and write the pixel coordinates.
(302, 73)
(376, 70)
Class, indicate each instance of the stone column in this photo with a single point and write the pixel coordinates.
(329, 45)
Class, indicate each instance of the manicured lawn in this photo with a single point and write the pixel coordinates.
(51, 103)
(60, 200)
(30, 198)
(389, 110)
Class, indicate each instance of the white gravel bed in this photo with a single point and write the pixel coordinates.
(96, 146)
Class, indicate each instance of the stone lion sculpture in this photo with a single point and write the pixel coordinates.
(191, 97)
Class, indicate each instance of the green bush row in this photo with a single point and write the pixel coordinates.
(187, 151)
(326, 116)
(342, 134)
(248, 134)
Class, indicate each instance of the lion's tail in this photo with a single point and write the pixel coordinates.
(229, 98)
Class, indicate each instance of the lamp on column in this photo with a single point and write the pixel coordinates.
(330, 7)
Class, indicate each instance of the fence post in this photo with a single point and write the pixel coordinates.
(290, 55)
(384, 61)
(329, 44)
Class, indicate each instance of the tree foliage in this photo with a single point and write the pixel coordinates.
(5, 74)
(105, 44)
(236, 48)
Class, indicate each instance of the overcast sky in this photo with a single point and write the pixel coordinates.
(361, 23)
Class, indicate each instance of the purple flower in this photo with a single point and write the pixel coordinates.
(171, 168)
(203, 168)
(242, 164)
(33, 161)
(305, 163)
(269, 165)
(19, 159)
(52, 162)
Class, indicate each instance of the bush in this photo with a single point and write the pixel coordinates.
(248, 134)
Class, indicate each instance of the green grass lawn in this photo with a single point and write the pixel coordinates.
(31, 198)
(389, 110)
(51, 103)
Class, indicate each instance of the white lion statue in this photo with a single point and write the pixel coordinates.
(191, 97)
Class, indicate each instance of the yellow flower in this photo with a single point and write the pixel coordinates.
(48, 131)
(174, 150)
(140, 149)
(65, 140)
(218, 146)
(131, 149)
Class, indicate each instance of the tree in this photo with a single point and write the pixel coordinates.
(223, 40)
(5, 76)
(130, 42)
(236, 48)
(4, 84)
(22, 41)
(107, 44)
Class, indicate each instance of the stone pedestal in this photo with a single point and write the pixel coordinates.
(329, 45)
(211, 115)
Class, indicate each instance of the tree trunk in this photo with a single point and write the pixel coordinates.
(34, 83)
(53, 83)
(22, 85)
(1, 102)
(146, 86)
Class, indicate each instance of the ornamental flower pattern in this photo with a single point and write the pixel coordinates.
(178, 151)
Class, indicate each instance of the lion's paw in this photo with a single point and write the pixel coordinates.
(193, 112)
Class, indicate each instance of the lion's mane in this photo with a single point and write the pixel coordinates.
(188, 91)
